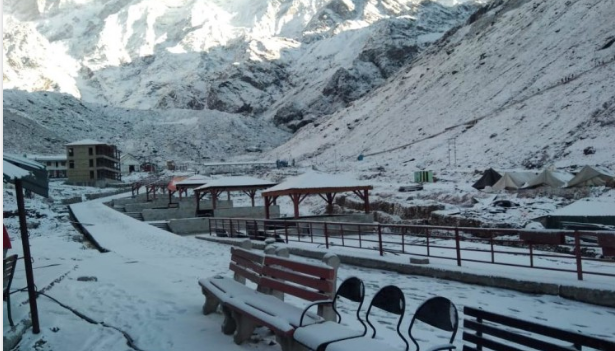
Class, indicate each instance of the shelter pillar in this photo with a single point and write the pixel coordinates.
(366, 199)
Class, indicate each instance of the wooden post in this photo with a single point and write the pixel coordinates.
(295, 198)
(366, 195)
(267, 207)
(214, 197)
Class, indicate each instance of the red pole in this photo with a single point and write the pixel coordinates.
(577, 250)
(458, 246)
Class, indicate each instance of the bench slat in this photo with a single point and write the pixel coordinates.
(315, 283)
(245, 273)
(492, 345)
(305, 294)
(513, 337)
(250, 256)
(544, 330)
(306, 268)
(256, 267)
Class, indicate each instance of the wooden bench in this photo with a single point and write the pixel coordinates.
(484, 330)
(9, 271)
(245, 308)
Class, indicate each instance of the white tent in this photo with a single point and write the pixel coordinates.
(513, 180)
(591, 176)
(548, 178)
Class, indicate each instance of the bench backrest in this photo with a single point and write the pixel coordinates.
(247, 265)
(9, 270)
(491, 331)
(307, 281)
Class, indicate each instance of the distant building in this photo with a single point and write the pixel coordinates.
(129, 163)
(55, 164)
(92, 162)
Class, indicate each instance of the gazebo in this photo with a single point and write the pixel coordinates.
(192, 182)
(327, 186)
(247, 185)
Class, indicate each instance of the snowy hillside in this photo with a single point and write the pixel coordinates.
(236, 56)
(526, 84)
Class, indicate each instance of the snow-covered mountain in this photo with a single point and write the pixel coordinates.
(523, 84)
(518, 83)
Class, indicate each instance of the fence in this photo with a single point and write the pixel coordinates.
(565, 251)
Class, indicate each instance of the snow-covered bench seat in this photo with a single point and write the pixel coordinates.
(245, 308)
(307, 281)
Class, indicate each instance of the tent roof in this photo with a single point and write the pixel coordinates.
(489, 177)
(591, 175)
(236, 182)
(314, 183)
(586, 208)
(513, 180)
(550, 178)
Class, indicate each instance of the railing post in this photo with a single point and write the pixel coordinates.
(457, 246)
(577, 250)
(403, 231)
(531, 255)
(326, 236)
(380, 240)
(286, 231)
(209, 222)
(360, 243)
(230, 231)
(492, 253)
(311, 232)
(427, 234)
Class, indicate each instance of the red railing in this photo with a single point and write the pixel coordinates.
(565, 251)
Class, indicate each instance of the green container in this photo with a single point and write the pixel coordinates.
(423, 177)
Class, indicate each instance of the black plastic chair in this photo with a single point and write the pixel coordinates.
(441, 313)
(352, 289)
(390, 299)
(9, 270)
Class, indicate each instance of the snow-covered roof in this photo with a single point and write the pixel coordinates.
(61, 157)
(240, 181)
(86, 142)
(22, 160)
(12, 172)
(194, 180)
(314, 180)
(587, 208)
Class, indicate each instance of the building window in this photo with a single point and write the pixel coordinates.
(70, 152)
(48, 163)
(91, 163)
(91, 174)
(91, 151)
(57, 164)
(63, 163)
(71, 164)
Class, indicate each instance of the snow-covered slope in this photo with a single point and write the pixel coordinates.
(238, 56)
(527, 83)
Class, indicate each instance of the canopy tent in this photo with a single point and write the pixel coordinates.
(298, 188)
(513, 180)
(490, 177)
(32, 176)
(548, 178)
(247, 185)
(591, 176)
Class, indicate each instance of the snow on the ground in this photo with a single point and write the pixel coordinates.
(147, 287)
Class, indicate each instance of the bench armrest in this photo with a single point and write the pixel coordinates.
(315, 303)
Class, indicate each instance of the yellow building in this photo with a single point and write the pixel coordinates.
(92, 162)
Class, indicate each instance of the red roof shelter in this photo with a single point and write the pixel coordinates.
(326, 186)
(247, 185)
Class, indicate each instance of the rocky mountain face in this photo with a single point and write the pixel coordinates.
(524, 83)
(290, 61)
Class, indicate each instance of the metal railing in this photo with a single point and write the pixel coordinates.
(554, 250)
